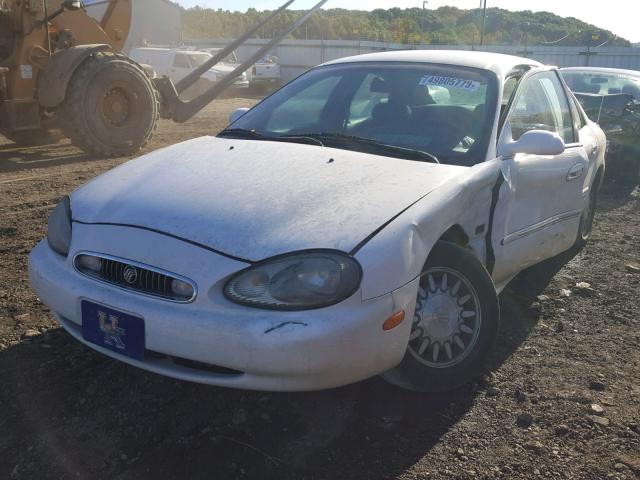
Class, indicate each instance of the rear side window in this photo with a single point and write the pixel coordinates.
(602, 83)
(542, 105)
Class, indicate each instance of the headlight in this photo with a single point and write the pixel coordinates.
(59, 227)
(297, 281)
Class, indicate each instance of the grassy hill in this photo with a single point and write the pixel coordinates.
(446, 25)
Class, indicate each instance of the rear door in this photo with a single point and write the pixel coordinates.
(541, 200)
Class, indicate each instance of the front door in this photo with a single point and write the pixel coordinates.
(541, 199)
(180, 67)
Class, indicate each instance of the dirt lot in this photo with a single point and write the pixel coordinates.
(562, 401)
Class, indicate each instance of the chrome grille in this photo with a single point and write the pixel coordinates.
(134, 276)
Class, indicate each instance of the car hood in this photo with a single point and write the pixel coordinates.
(223, 69)
(256, 199)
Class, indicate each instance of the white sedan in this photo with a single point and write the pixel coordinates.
(359, 221)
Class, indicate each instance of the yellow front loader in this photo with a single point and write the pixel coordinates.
(62, 71)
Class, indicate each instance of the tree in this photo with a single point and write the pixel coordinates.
(446, 25)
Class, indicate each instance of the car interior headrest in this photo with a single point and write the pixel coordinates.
(631, 89)
(378, 85)
(391, 112)
(593, 88)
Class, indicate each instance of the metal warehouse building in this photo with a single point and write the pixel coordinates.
(157, 22)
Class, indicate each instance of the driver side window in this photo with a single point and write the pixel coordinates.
(542, 105)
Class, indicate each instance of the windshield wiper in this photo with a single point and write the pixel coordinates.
(399, 152)
(253, 135)
(243, 133)
(321, 139)
(311, 139)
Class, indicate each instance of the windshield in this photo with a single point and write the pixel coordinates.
(198, 59)
(602, 83)
(231, 58)
(445, 111)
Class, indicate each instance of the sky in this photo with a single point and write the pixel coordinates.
(619, 16)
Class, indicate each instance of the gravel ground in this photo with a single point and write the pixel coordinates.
(562, 400)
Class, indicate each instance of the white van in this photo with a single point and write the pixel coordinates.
(177, 63)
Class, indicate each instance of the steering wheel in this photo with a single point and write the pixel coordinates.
(448, 135)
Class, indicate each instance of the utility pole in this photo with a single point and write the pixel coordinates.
(483, 4)
(424, 8)
(525, 38)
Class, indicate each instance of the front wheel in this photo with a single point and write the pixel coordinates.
(455, 323)
(111, 107)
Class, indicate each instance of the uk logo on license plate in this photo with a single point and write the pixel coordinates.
(114, 330)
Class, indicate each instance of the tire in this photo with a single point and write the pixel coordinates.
(35, 138)
(585, 227)
(111, 108)
(468, 297)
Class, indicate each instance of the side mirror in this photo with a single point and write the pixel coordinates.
(237, 113)
(534, 142)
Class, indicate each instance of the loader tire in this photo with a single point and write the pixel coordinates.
(111, 108)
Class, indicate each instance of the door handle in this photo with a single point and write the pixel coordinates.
(594, 149)
(575, 172)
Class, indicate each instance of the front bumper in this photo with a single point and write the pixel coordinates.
(240, 85)
(265, 80)
(267, 350)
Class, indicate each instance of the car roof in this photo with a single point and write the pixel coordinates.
(496, 62)
(618, 71)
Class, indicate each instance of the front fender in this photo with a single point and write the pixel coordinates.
(397, 254)
(62, 65)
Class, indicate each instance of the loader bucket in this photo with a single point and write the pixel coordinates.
(180, 111)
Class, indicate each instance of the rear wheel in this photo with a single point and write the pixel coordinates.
(586, 219)
(111, 108)
(454, 324)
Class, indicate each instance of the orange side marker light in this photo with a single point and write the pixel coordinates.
(393, 321)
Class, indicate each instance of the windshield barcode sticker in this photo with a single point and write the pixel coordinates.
(449, 82)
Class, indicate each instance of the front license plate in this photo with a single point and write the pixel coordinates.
(113, 330)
